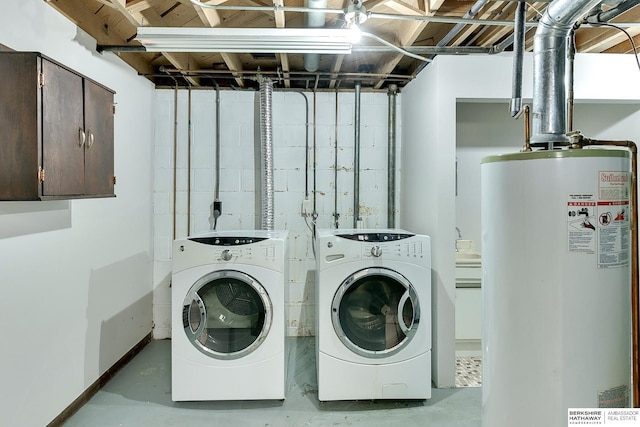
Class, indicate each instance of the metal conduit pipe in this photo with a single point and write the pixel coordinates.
(571, 54)
(442, 50)
(608, 15)
(315, 156)
(458, 27)
(356, 157)
(306, 143)
(391, 181)
(549, 63)
(336, 215)
(175, 156)
(175, 146)
(266, 151)
(314, 20)
(217, 204)
(370, 15)
(635, 275)
(518, 59)
(189, 130)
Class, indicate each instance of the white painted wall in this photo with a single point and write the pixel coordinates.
(429, 150)
(239, 170)
(483, 129)
(76, 275)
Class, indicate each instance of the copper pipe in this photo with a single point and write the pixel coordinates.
(635, 330)
(527, 127)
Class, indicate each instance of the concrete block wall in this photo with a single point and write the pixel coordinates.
(240, 179)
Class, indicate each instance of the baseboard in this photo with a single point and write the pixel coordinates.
(99, 383)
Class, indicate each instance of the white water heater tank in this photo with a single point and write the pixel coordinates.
(556, 285)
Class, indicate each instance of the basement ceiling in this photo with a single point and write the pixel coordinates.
(414, 25)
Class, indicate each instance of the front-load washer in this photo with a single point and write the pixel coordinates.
(228, 316)
(373, 335)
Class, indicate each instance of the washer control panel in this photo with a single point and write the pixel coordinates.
(230, 249)
(375, 237)
(227, 240)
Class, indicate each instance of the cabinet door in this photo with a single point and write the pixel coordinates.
(62, 129)
(19, 151)
(98, 109)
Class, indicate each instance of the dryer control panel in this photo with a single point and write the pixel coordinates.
(231, 249)
(375, 245)
(375, 237)
(227, 240)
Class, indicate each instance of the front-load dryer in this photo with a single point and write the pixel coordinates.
(228, 316)
(373, 333)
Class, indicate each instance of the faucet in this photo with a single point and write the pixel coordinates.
(459, 237)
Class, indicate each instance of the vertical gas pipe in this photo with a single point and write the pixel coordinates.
(356, 159)
(391, 181)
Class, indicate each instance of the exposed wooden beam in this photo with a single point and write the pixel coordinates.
(432, 6)
(284, 60)
(408, 34)
(335, 70)
(279, 14)
(387, 63)
(234, 64)
(208, 17)
(625, 47)
(491, 35)
(183, 61)
(485, 13)
(211, 18)
(136, 19)
(77, 12)
(180, 61)
(601, 39)
(403, 8)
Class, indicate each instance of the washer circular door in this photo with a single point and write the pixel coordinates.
(375, 312)
(227, 314)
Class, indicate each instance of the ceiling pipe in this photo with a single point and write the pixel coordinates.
(458, 27)
(314, 20)
(369, 15)
(549, 70)
(518, 59)
(441, 50)
(608, 15)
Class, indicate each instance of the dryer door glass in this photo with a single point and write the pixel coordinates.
(227, 314)
(375, 312)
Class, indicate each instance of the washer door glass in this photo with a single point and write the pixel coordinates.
(226, 314)
(375, 312)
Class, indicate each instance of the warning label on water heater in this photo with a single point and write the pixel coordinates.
(599, 223)
(581, 216)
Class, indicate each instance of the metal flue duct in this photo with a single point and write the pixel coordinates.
(266, 153)
(549, 62)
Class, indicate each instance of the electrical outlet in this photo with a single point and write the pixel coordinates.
(307, 207)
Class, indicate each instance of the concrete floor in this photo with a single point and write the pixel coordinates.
(140, 395)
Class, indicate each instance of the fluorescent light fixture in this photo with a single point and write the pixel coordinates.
(248, 40)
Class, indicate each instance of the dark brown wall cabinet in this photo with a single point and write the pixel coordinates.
(56, 131)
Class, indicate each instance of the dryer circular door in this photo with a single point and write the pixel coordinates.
(375, 312)
(226, 314)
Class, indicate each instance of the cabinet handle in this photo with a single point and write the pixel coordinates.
(81, 137)
(91, 139)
